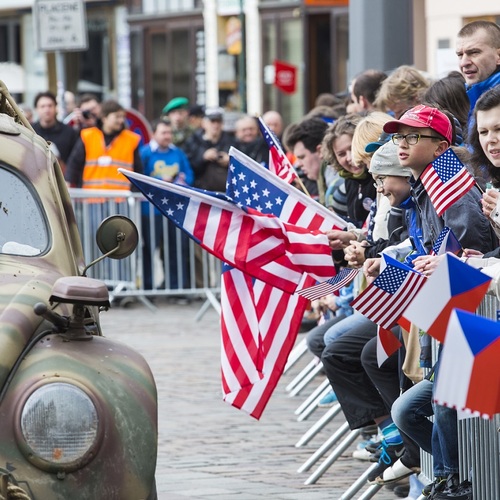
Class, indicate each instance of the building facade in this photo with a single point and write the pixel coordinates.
(223, 52)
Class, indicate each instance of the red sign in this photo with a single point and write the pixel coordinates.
(285, 76)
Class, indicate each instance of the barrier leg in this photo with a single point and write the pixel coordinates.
(359, 484)
(333, 456)
(315, 428)
(306, 380)
(296, 354)
(211, 301)
(324, 448)
(314, 395)
(310, 366)
(370, 492)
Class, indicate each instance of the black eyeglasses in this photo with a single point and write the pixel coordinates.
(411, 139)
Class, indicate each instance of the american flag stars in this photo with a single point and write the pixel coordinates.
(391, 280)
(247, 191)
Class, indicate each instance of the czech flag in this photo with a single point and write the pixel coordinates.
(469, 372)
(453, 285)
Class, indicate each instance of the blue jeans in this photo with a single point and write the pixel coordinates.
(410, 412)
(445, 436)
(340, 328)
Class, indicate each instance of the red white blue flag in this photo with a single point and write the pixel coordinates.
(259, 244)
(259, 322)
(469, 372)
(446, 180)
(343, 278)
(385, 299)
(279, 164)
(453, 285)
(446, 242)
(249, 184)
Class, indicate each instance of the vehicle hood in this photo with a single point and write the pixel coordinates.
(24, 282)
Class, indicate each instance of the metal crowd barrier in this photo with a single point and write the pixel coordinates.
(175, 265)
(478, 440)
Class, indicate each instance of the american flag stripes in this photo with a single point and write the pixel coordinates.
(343, 278)
(250, 184)
(279, 164)
(385, 300)
(258, 244)
(259, 321)
(446, 180)
(278, 315)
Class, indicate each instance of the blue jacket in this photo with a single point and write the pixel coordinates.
(166, 164)
(475, 91)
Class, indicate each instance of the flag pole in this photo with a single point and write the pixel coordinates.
(301, 184)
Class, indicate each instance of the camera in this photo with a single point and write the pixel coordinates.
(86, 114)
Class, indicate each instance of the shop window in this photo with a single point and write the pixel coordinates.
(10, 41)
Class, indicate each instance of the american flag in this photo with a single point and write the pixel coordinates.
(279, 164)
(385, 300)
(259, 244)
(343, 278)
(250, 184)
(260, 322)
(446, 242)
(387, 344)
(446, 180)
(259, 325)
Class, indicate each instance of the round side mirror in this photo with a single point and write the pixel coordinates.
(117, 232)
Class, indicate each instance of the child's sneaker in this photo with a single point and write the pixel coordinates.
(362, 453)
(327, 401)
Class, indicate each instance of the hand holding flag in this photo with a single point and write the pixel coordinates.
(385, 300)
(453, 284)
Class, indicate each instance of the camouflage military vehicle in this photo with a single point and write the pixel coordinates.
(78, 412)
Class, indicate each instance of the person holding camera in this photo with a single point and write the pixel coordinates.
(207, 151)
(87, 114)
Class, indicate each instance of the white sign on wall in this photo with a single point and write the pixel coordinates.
(60, 25)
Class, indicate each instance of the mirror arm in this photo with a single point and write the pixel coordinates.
(120, 237)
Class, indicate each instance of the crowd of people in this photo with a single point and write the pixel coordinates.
(362, 157)
(394, 127)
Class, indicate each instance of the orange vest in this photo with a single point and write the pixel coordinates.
(102, 163)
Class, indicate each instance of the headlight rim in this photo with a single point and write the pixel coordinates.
(30, 454)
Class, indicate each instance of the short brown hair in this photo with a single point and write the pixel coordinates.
(492, 29)
(110, 106)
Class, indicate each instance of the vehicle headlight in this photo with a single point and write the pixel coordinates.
(60, 425)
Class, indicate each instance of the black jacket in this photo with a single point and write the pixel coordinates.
(207, 174)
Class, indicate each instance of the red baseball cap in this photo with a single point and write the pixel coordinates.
(422, 116)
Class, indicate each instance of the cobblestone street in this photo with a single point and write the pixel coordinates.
(207, 449)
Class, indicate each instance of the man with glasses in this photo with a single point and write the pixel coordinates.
(422, 134)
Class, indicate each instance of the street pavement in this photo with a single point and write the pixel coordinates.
(208, 449)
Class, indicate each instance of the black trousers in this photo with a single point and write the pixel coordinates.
(359, 398)
(315, 337)
(390, 381)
